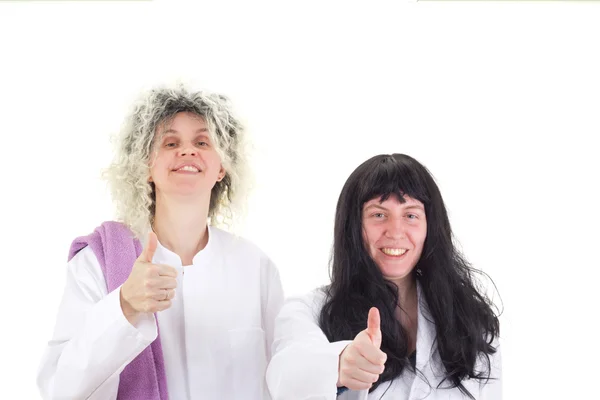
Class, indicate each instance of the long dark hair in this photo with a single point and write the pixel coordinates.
(466, 324)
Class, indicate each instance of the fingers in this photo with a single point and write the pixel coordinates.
(164, 294)
(365, 347)
(148, 252)
(365, 356)
(355, 366)
(361, 363)
(166, 270)
(363, 376)
(155, 284)
(367, 366)
(151, 271)
(373, 354)
(163, 305)
(170, 294)
(353, 384)
(374, 326)
(157, 288)
(156, 306)
(159, 296)
(165, 282)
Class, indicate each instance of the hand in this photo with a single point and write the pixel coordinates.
(149, 287)
(362, 361)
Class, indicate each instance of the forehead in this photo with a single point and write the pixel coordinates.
(393, 201)
(182, 122)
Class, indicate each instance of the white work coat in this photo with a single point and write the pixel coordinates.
(216, 336)
(305, 364)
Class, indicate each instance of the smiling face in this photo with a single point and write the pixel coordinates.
(185, 161)
(394, 234)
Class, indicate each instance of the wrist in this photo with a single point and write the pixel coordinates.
(128, 311)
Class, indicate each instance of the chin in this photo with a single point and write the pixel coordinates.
(396, 277)
(395, 273)
(186, 191)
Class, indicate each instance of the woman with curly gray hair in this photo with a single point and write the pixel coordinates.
(190, 313)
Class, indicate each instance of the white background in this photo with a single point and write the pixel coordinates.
(500, 100)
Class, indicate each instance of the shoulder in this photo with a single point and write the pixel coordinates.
(83, 259)
(239, 248)
(85, 270)
(309, 304)
(108, 230)
(315, 298)
(112, 227)
(231, 240)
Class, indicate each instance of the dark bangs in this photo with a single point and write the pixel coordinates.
(386, 175)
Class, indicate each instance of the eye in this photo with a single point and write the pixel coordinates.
(412, 216)
(202, 143)
(378, 215)
(171, 144)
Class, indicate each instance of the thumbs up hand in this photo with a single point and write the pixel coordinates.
(149, 287)
(374, 327)
(362, 361)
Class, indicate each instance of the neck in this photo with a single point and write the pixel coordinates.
(407, 310)
(407, 290)
(181, 225)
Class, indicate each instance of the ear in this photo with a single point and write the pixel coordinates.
(150, 165)
(222, 174)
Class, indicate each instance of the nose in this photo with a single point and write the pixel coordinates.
(188, 150)
(395, 228)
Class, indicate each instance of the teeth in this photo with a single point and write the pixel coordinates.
(188, 168)
(394, 252)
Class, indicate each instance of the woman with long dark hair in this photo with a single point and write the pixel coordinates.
(403, 317)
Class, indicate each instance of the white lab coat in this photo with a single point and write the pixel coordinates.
(305, 364)
(216, 337)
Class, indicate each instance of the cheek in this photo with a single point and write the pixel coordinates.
(215, 162)
(158, 168)
(370, 236)
(162, 159)
(155, 160)
(419, 237)
(154, 169)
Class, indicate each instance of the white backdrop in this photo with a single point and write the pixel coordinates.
(500, 100)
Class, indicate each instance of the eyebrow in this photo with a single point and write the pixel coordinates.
(201, 130)
(413, 206)
(375, 206)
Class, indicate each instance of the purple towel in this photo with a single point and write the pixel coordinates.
(116, 249)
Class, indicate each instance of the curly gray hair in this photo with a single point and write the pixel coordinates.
(128, 174)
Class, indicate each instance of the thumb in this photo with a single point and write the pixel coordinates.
(150, 249)
(373, 326)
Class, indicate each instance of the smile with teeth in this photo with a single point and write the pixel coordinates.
(188, 168)
(393, 252)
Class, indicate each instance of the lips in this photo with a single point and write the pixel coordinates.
(187, 167)
(394, 252)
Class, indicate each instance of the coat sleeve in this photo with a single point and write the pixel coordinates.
(92, 341)
(304, 363)
(272, 303)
